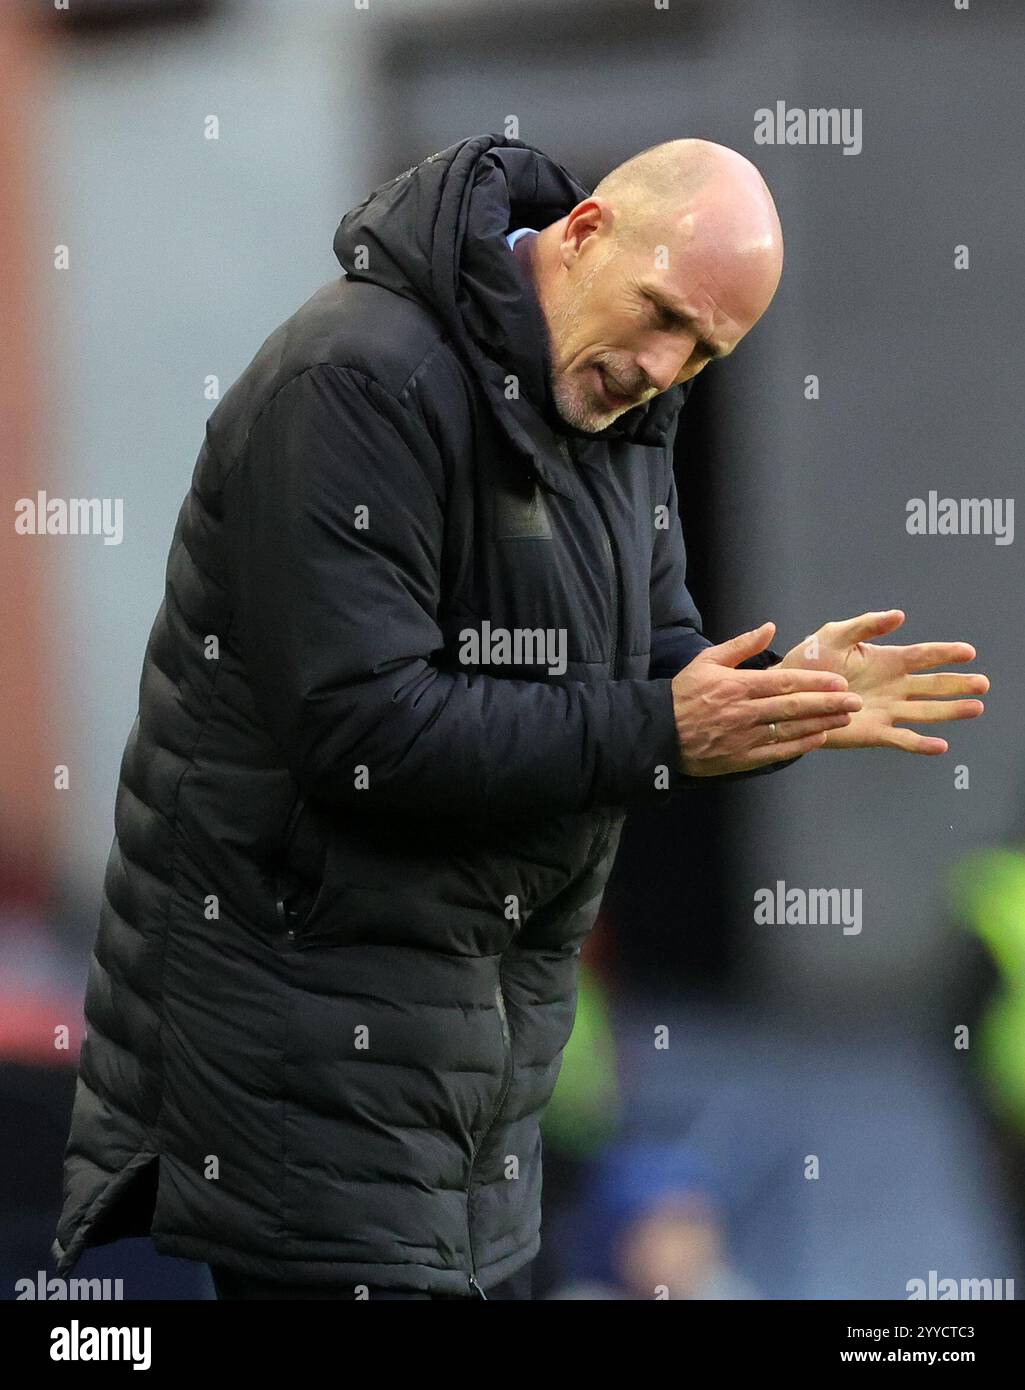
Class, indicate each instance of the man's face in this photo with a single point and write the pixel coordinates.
(629, 318)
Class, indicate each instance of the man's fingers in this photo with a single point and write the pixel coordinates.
(799, 728)
(777, 752)
(935, 712)
(910, 742)
(737, 649)
(803, 705)
(919, 656)
(948, 683)
(864, 627)
(784, 748)
(776, 680)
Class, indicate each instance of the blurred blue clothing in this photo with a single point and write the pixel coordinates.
(627, 1181)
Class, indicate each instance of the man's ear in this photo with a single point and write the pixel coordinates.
(592, 217)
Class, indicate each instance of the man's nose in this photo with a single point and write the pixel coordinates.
(663, 362)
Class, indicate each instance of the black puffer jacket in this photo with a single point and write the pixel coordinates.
(355, 859)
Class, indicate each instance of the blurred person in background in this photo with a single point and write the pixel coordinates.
(650, 1224)
(986, 1001)
(363, 825)
(585, 1112)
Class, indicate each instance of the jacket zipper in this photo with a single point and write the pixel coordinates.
(596, 854)
(506, 1083)
(569, 453)
(279, 882)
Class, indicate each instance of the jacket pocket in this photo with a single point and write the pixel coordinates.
(298, 877)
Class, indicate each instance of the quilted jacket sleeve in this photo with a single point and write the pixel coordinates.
(335, 510)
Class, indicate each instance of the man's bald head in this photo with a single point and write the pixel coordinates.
(673, 258)
(661, 184)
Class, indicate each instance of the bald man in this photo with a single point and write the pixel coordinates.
(664, 269)
(425, 639)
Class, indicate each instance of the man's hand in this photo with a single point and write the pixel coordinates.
(723, 715)
(889, 681)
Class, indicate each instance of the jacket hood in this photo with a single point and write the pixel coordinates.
(436, 233)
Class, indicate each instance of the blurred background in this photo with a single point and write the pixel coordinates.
(772, 1111)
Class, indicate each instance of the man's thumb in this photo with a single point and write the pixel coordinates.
(737, 649)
